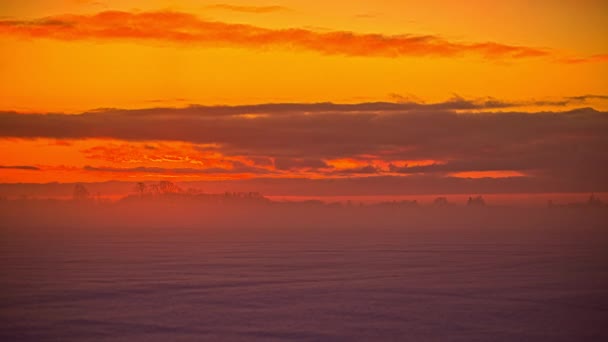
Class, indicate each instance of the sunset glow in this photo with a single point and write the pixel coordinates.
(298, 89)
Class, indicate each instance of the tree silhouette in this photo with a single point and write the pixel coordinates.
(80, 193)
(440, 202)
(476, 201)
(166, 187)
(140, 188)
(594, 201)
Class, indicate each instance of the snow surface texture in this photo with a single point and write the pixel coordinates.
(400, 284)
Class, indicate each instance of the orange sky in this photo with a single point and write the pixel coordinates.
(74, 56)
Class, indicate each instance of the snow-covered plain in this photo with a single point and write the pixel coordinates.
(465, 280)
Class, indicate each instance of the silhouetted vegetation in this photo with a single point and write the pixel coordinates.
(441, 202)
(477, 201)
(81, 193)
(140, 188)
(168, 193)
(592, 202)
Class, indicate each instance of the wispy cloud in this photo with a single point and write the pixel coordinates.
(601, 58)
(90, 2)
(184, 28)
(248, 9)
(20, 167)
(587, 97)
(366, 15)
(179, 171)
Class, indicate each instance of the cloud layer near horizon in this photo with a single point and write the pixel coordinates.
(185, 28)
(360, 140)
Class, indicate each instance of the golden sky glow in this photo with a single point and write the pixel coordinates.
(74, 56)
(46, 74)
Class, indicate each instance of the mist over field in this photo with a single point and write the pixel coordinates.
(249, 269)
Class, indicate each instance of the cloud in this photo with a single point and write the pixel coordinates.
(248, 9)
(329, 129)
(366, 15)
(180, 154)
(240, 169)
(454, 103)
(584, 98)
(20, 167)
(600, 58)
(298, 163)
(379, 139)
(90, 2)
(485, 164)
(184, 28)
(363, 170)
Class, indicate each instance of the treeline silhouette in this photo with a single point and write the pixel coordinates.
(169, 192)
(166, 190)
(165, 205)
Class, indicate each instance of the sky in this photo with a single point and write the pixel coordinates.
(427, 96)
